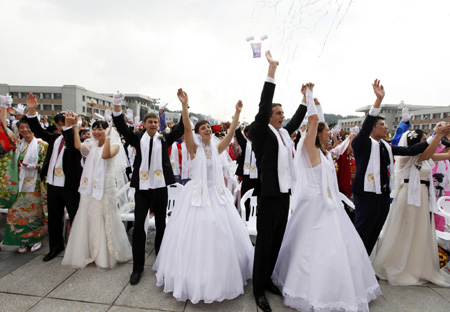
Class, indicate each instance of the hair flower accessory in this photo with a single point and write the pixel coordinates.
(412, 134)
(216, 129)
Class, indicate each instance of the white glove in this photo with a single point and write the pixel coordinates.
(354, 130)
(129, 115)
(20, 109)
(79, 122)
(6, 101)
(29, 166)
(336, 130)
(107, 115)
(136, 121)
(406, 116)
(118, 98)
(99, 116)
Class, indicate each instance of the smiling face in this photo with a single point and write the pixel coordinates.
(151, 124)
(277, 117)
(25, 131)
(205, 132)
(325, 136)
(98, 133)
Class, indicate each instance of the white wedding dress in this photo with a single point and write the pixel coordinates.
(206, 253)
(322, 264)
(98, 234)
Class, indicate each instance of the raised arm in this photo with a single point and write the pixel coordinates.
(441, 131)
(188, 135)
(225, 142)
(33, 122)
(6, 102)
(313, 121)
(122, 127)
(72, 141)
(109, 151)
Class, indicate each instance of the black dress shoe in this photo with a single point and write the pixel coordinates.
(273, 289)
(53, 253)
(135, 278)
(262, 303)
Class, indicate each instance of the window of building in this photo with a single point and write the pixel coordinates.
(37, 95)
(416, 127)
(46, 96)
(426, 116)
(24, 95)
(57, 108)
(175, 120)
(96, 110)
(396, 118)
(14, 94)
(433, 126)
(426, 127)
(84, 98)
(417, 117)
(102, 112)
(38, 107)
(47, 107)
(84, 109)
(57, 96)
(446, 115)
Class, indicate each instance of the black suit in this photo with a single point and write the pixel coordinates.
(60, 197)
(371, 208)
(247, 183)
(273, 206)
(144, 198)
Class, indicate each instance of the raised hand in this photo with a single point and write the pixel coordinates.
(108, 130)
(310, 86)
(303, 89)
(31, 102)
(270, 59)
(6, 101)
(107, 115)
(20, 109)
(378, 89)
(239, 106)
(71, 119)
(183, 97)
(118, 98)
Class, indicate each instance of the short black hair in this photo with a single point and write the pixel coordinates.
(83, 131)
(100, 124)
(22, 120)
(60, 117)
(150, 115)
(201, 123)
(376, 120)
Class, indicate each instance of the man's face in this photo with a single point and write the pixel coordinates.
(277, 117)
(86, 135)
(151, 125)
(59, 126)
(380, 129)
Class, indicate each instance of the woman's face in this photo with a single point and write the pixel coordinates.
(205, 132)
(98, 133)
(25, 131)
(325, 135)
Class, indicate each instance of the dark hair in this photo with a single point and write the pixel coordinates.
(320, 127)
(51, 129)
(22, 120)
(376, 121)
(201, 123)
(412, 141)
(150, 115)
(100, 124)
(274, 105)
(60, 117)
(83, 131)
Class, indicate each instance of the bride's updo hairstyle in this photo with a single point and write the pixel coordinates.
(201, 123)
(414, 136)
(320, 128)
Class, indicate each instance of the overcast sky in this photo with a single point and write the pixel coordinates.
(155, 47)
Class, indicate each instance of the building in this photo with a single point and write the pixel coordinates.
(425, 117)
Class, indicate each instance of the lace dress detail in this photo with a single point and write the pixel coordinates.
(322, 264)
(98, 234)
(206, 253)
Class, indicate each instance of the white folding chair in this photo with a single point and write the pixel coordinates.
(173, 190)
(443, 204)
(251, 223)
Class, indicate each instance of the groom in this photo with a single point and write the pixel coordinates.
(273, 187)
(152, 172)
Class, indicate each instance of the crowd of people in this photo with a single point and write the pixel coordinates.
(311, 248)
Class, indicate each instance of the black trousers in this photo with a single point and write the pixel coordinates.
(271, 224)
(57, 198)
(370, 214)
(143, 199)
(247, 184)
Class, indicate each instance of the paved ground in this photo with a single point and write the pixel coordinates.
(29, 284)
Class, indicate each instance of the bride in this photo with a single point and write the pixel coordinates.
(206, 253)
(322, 264)
(98, 234)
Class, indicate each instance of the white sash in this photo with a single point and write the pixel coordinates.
(372, 182)
(174, 159)
(90, 183)
(185, 164)
(153, 177)
(28, 177)
(285, 167)
(55, 173)
(250, 162)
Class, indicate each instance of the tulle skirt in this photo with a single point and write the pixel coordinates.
(206, 253)
(97, 234)
(322, 264)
